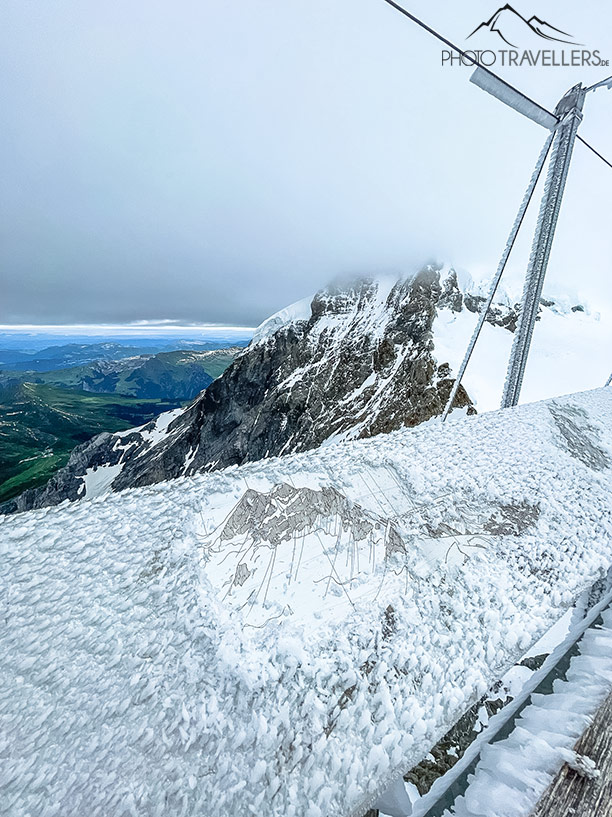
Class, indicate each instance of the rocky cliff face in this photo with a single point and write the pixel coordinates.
(500, 314)
(357, 361)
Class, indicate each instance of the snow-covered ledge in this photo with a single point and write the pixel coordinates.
(289, 636)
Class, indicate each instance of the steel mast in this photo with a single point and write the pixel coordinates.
(569, 112)
(563, 125)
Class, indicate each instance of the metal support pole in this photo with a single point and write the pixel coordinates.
(500, 269)
(569, 110)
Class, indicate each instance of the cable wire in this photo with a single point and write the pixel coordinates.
(596, 152)
(465, 55)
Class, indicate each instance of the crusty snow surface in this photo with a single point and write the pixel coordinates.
(289, 636)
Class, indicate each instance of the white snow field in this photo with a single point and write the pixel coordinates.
(288, 637)
(566, 353)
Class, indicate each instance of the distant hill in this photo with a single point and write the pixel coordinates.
(178, 375)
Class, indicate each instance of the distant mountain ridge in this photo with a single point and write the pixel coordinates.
(40, 425)
(177, 375)
(68, 355)
(44, 415)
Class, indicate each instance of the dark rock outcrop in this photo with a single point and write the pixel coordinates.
(454, 299)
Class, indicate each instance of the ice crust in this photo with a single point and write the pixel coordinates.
(134, 683)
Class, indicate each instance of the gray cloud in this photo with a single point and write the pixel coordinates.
(213, 162)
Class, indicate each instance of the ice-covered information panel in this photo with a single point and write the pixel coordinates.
(286, 637)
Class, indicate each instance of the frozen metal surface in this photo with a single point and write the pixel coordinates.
(514, 99)
(605, 83)
(500, 270)
(563, 145)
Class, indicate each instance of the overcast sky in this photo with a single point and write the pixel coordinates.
(214, 161)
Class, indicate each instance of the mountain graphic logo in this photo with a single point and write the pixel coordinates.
(508, 24)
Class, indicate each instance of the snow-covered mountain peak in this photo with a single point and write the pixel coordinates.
(336, 306)
(565, 354)
(357, 359)
(299, 311)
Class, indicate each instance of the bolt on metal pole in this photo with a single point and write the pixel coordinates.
(569, 110)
